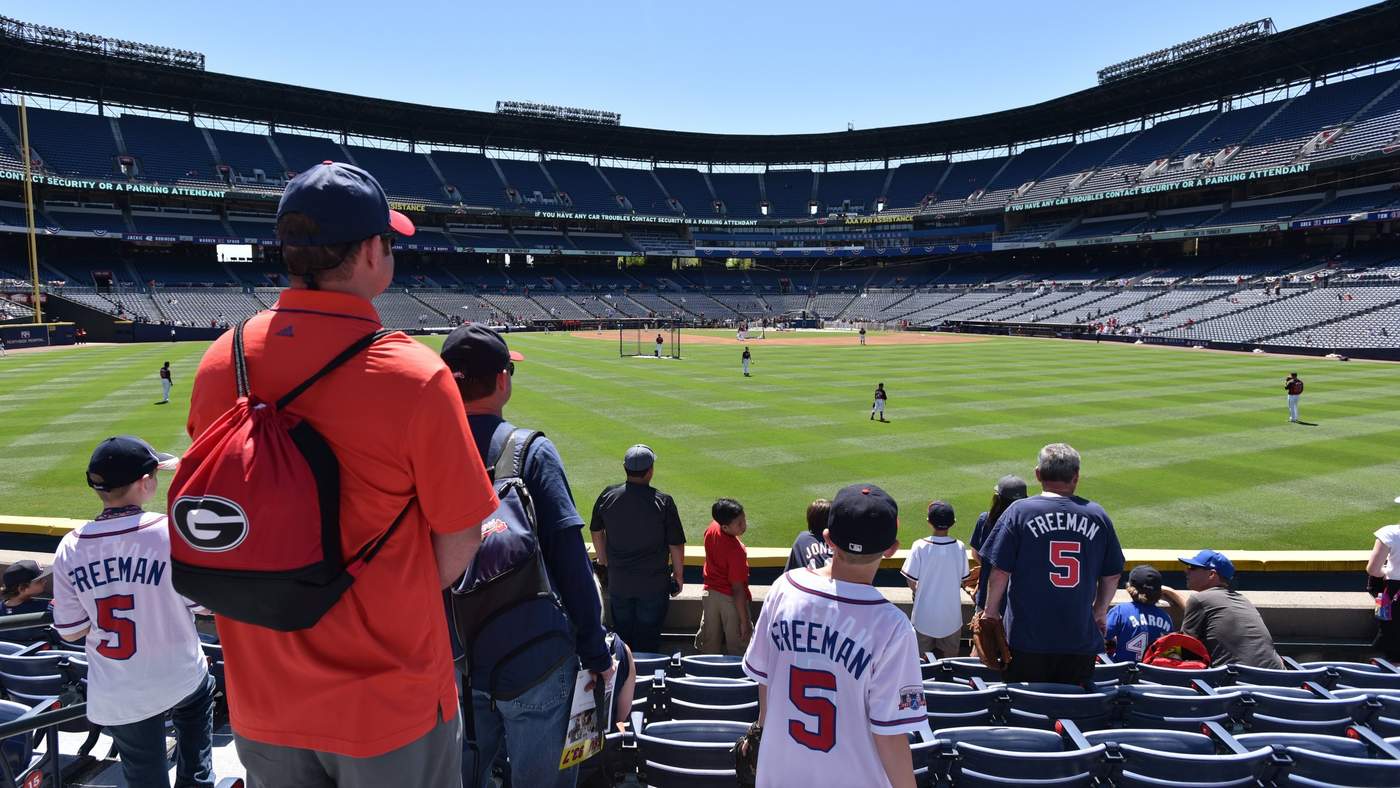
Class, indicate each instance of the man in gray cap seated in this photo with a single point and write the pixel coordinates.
(636, 529)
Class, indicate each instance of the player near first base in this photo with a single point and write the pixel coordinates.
(745, 359)
(877, 408)
(837, 665)
(862, 335)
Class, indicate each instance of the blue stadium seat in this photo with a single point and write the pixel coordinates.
(988, 764)
(1215, 677)
(1144, 767)
(1323, 770)
(1317, 742)
(713, 665)
(966, 668)
(1274, 711)
(1039, 709)
(1269, 677)
(648, 663)
(714, 691)
(1366, 679)
(687, 753)
(1107, 674)
(951, 704)
(1183, 742)
(1175, 708)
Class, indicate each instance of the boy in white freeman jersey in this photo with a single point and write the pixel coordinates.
(111, 583)
(935, 570)
(836, 663)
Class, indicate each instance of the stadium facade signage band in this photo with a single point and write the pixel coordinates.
(113, 186)
(612, 217)
(1190, 183)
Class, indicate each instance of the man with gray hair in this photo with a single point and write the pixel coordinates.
(636, 529)
(1056, 558)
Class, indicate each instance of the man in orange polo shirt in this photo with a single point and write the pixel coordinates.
(365, 697)
(725, 622)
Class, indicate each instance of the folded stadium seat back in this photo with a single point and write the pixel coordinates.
(713, 665)
(1268, 677)
(1035, 709)
(1142, 767)
(1182, 677)
(1366, 679)
(7, 648)
(965, 668)
(647, 664)
(1107, 674)
(1180, 742)
(1323, 770)
(977, 765)
(1268, 711)
(1317, 742)
(950, 705)
(739, 712)
(1175, 708)
(43, 664)
(926, 761)
(929, 667)
(687, 753)
(714, 691)
(18, 750)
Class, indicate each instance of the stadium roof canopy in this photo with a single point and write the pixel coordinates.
(1356, 38)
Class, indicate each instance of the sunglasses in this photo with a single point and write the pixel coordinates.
(387, 239)
(510, 368)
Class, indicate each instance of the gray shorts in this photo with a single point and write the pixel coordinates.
(432, 761)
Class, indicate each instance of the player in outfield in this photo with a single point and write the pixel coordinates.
(837, 664)
(745, 360)
(878, 406)
(111, 581)
(1294, 386)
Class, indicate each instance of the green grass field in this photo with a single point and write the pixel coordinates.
(1183, 448)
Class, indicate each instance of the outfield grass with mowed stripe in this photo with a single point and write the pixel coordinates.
(1183, 448)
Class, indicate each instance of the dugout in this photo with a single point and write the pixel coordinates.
(637, 338)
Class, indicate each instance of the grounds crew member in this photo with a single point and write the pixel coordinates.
(636, 528)
(392, 414)
(531, 727)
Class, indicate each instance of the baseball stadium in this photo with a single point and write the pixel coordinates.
(1188, 271)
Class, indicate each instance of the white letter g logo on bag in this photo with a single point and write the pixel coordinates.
(209, 523)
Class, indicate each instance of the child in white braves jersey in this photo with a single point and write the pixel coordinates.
(111, 581)
(836, 663)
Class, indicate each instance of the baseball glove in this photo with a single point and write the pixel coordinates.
(989, 637)
(969, 583)
(746, 755)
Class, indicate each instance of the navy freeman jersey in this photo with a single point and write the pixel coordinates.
(841, 665)
(1056, 549)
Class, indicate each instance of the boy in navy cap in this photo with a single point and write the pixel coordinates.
(1220, 617)
(934, 570)
(22, 593)
(112, 585)
(836, 663)
(1134, 626)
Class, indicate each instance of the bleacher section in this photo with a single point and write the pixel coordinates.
(69, 143)
(169, 151)
(689, 188)
(739, 193)
(913, 183)
(585, 188)
(529, 181)
(1280, 140)
(301, 152)
(402, 174)
(854, 190)
(245, 154)
(473, 177)
(789, 193)
(640, 189)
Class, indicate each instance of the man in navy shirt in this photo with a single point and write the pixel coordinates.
(1056, 558)
(533, 723)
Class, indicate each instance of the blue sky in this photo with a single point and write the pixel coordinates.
(763, 66)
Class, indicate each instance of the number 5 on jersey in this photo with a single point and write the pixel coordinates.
(1064, 564)
(799, 682)
(121, 632)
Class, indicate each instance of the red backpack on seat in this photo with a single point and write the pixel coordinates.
(1177, 650)
(255, 511)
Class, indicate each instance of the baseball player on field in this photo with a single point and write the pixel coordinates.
(111, 583)
(862, 335)
(660, 343)
(836, 663)
(745, 359)
(165, 384)
(878, 407)
(1294, 386)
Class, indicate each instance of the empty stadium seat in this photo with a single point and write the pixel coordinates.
(1008, 756)
(1271, 711)
(687, 753)
(1040, 709)
(1154, 674)
(1324, 770)
(1175, 708)
(1245, 674)
(952, 704)
(714, 665)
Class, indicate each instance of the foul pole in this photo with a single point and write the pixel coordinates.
(29, 209)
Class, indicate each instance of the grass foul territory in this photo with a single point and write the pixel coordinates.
(1184, 448)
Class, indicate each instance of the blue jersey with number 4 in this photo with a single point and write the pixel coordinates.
(1056, 549)
(1133, 628)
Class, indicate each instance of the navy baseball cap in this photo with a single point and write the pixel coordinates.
(346, 203)
(476, 350)
(638, 458)
(1146, 577)
(119, 461)
(863, 520)
(940, 514)
(1210, 559)
(1010, 487)
(21, 572)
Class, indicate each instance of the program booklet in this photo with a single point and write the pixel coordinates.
(587, 725)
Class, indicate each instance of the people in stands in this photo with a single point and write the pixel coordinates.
(725, 619)
(1059, 556)
(23, 592)
(1383, 567)
(1220, 617)
(1133, 626)
(144, 658)
(810, 549)
(526, 713)
(935, 569)
(839, 715)
(1009, 489)
(395, 421)
(637, 534)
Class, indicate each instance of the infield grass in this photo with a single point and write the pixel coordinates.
(1183, 448)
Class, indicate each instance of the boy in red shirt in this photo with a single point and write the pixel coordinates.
(725, 624)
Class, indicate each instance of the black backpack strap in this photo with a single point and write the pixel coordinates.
(240, 361)
(345, 355)
(509, 463)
